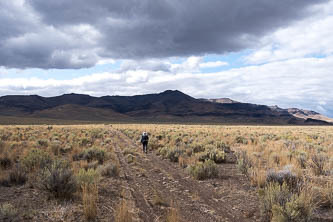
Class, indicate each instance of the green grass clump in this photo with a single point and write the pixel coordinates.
(172, 154)
(244, 163)
(91, 154)
(89, 176)
(279, 203)
(110, 170)
(202, 171)
(37, 159)
(215, 155)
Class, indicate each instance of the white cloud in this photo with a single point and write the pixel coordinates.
(3, 71)
(106, 61)
(309, 37)
(291, 68)
(191, 64)
(304, 83)
(213, 64)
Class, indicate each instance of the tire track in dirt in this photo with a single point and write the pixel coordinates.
(141, 210)
(196, 201)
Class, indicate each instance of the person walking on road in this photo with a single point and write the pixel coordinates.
(144, 141)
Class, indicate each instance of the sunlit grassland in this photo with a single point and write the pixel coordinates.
(283, 162)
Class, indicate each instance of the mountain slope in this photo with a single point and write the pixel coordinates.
(77, 112)
(173, 106)
(308, 114)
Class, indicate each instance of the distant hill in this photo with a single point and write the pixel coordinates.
(306, 114)
(168, 106)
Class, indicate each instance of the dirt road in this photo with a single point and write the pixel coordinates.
(156, 186)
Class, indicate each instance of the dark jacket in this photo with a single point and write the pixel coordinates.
(144, 139)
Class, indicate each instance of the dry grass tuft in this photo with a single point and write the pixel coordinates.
(90, 198)
(123, 213)
(173, 215)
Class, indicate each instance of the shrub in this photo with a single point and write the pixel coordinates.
(326, 195)
(90, 155)
(275, 157)
(8, 212)
(90, 176)
(96, 134)
(42, 143)
(317, 163)
(36, 159)
(130, 158)
(201, 171)
(110, 170)
(90, 165)
(173, 154)
(5, 162)
(224, 147)
(58, 180)
(2, 146)
(197, 147)
(279, 203)
(301, 159)
(244, 162)
(163, 151)
(67, 148)
(18, 175)
(4, 180)
(84, 142)
(215, 155)
(128, 151)
(154, 144)
(95, 154)
(55, 148)
(241, 140)
(202, 156)
(108, 141)
(284, 176)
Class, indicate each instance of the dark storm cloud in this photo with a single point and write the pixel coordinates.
(76, 33)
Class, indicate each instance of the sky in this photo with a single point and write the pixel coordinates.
(257, 51)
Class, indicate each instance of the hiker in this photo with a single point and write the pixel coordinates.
(144, 141)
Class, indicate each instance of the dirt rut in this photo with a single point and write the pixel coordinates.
(157, 186)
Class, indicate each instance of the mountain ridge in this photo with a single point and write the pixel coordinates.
(170, 105)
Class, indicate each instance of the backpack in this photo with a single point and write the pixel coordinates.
(144, 139)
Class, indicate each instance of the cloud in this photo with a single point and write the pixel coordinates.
(306, 38)
(213, 64)
(190, 64)
(162, 45)
(275, 83)
(148, 64)
(78, 34)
